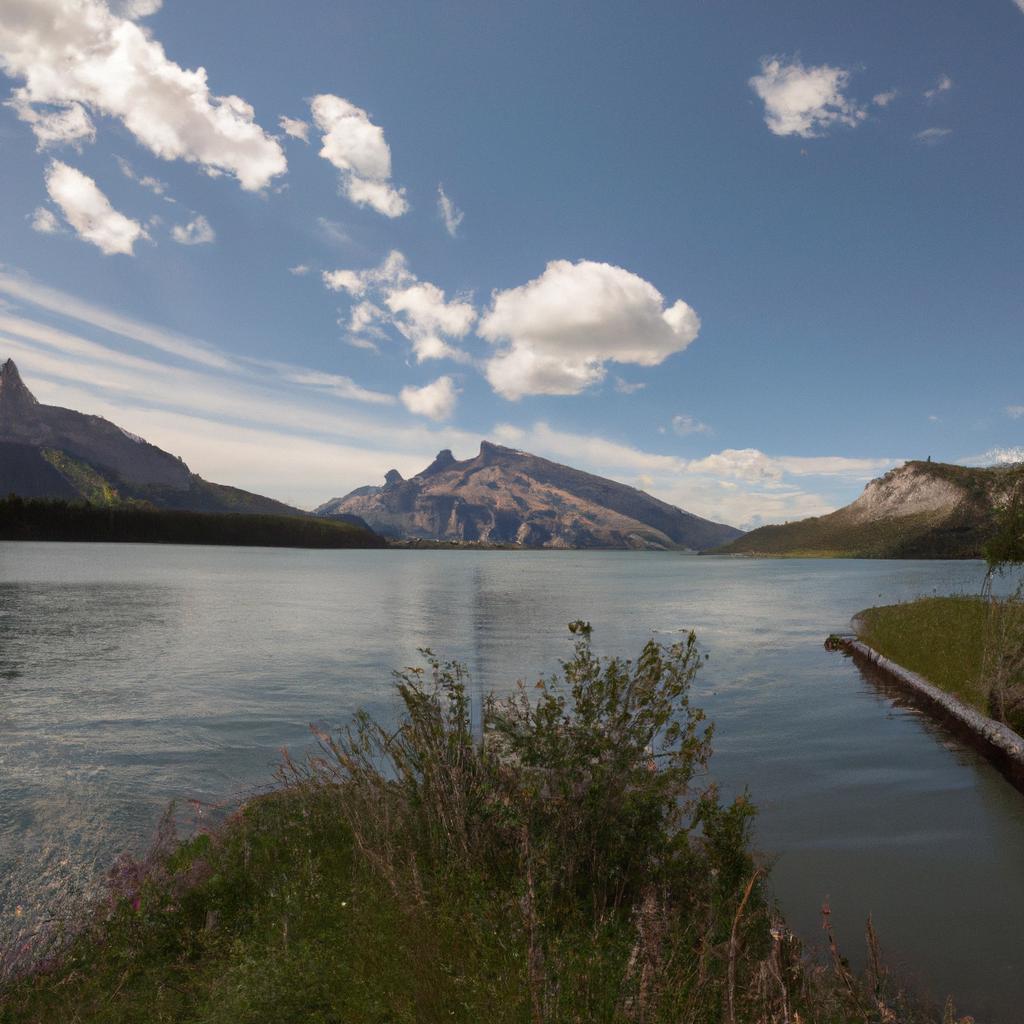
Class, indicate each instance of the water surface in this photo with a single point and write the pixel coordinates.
(134, 674)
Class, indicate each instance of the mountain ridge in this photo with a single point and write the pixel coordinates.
(504, 495)
(917, 510)
(47, 451)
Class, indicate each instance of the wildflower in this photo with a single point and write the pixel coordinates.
(18, 911)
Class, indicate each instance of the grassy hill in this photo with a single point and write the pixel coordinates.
(919, 510)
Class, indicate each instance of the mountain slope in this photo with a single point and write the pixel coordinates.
(50, 452)
(508, 496)
(919, 510)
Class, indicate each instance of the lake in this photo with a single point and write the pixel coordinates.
(131, 675)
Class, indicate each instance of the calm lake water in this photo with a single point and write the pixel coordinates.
(133, 674)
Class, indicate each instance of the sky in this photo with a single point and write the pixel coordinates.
(744, 254)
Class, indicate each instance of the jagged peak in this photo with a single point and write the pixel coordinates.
(443, 460)
(489, 450)
(393, 477)
(12, 387)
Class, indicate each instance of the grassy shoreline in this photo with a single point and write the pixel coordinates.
(568, 864)
(956, 643)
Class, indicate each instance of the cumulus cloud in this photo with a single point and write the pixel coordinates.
(933, 136)
(435, 401)
(295, 127)
(196, 232)
(392, 295)
(625, 387)
(64, 126)
(89, 211)
(1008, 456)
(450, 214)
(1020, 5)
(45, 221)
(804, 101)
(356, 147)
(684, 425)
(78, 54)
(944, 84)
(299, 270)
(883, 99)
(555, 334)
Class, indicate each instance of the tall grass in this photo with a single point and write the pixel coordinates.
(569, 863)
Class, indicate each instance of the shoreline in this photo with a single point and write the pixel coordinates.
(999, 743)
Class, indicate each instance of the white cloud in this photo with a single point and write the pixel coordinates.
(556, 332)
(684, 425)
(625, 387)
(89, 211)
(45, 221)
(1020, 4)
(883, 99)
(334, 232)
(1015, 412)
(804, 101)
(933, 136)
(745, 488)
(24, 289)
(66, 125)
(155, 185)
(135, 9)
(334, 384)
(418, 310)
(295, 127)
(356, 146)
(450, 214)
(944, 84)
(196, 232)
(1001, 456)
(77, 54)
(299, 270)
(435, 401)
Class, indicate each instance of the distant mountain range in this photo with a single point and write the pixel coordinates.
(50, 452)
(919, 510)
(508, 496)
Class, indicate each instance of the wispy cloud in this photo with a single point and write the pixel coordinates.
(933, 136)
(684, 425)
(944, 84)
(450, 214)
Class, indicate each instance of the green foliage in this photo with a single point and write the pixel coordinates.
(565, 863)
(94, 487)
(1006, 548)
(49, 519)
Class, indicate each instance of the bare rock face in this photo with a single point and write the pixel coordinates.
(504, 496)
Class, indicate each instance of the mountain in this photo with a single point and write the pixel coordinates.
(50, 452)
(919, 510)
(508, 496)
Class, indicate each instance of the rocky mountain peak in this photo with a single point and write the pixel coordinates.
(392, 478)
(443, 460)
(13, 393)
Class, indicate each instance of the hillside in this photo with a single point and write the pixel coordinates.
(508, 496)
(919, 510)
(50, 452)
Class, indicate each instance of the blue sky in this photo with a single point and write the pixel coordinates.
(745, 255)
